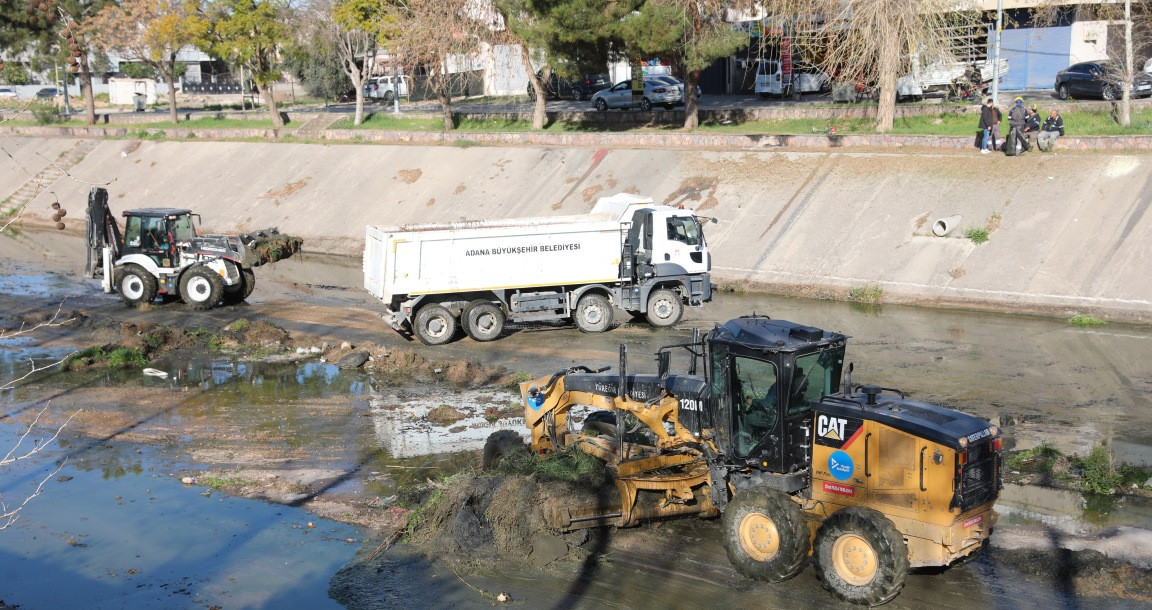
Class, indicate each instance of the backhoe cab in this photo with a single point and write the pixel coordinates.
(798, 462)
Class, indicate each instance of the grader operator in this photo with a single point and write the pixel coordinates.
(866, 481)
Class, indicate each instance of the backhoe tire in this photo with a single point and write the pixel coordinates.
(861, 556)
(501, 444)
(240, 292)
(593, 313)
(135, 285)
(665, 308)
(484, 321)
(765, 535)
(434, 325)
(201, 287)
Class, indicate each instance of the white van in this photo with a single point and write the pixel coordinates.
(806, 78)
(386, 87)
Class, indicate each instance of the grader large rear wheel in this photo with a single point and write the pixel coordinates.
(765, 535)
(861, 556)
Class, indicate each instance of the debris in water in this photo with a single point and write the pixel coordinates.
(311, 525)
(187, 481)
(156, 373)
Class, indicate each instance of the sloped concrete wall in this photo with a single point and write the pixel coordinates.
(1069, 233)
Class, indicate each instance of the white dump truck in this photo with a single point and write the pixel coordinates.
(647, 259)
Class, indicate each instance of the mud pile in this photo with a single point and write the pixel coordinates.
(402, 362)
(273, 247)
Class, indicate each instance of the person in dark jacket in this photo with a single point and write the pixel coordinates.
(987, 121)
(1053, 128)
(1031, 126)
(1017, 116)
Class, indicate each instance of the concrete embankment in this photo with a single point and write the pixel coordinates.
(1068, 233)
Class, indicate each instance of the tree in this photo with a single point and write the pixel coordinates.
(348, 30)
(52, 31)
(152, 31)
(693, 33)
(316, 66)
(571, 37)
(874, 41)
(436, 35)
(250, 33)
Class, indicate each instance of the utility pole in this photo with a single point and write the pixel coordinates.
(1129, 69)
(996, 52)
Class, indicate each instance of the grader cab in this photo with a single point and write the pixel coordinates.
(799, 463)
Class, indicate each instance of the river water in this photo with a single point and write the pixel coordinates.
(123, 531)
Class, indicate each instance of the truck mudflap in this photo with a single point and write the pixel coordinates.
(965, 536)
(394, 319)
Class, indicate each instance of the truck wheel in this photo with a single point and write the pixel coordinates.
(500, 445)
(665, 308)
(593, 313)
(240, 292)
(434, 325)
(136, 285)
(765, 535)
(484, 322)
(861, 556)
(201, 287)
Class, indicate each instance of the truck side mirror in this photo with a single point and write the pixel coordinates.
(662, 359)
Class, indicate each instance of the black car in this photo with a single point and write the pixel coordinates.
(1102, 79)
(48, 92)
(581, 89)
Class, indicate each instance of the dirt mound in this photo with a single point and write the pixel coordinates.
(1087, 573)
(410, 364)
(498, 518)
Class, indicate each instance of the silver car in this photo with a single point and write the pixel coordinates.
(672, 80)
(656, 93)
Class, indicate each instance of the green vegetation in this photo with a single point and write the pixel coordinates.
(521, 377)
(867, 294)
(1040, 459)
(978, 235)
(45, 113)
(1097, 473)
(569, 464)
(238, 326)
(99, 356)
(220, 483)
(1086, 321)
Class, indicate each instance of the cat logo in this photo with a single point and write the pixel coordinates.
(831, 428)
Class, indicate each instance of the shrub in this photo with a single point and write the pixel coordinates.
(866, 294)
(977, 235)
(1086, 321)
(45, 113)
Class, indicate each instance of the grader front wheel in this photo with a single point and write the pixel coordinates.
(861, 556)
(765, 535)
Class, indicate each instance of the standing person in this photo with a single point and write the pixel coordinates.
(987, 121)
(1016, 119)
(996, 127)
(1053, 128)
(1031, 127)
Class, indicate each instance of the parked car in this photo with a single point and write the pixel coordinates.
(580, 89)
(48, 92)
(7, 92)
(385, 87)
(656, 93)
(1102, 79)
(806, 78)
(672, 80)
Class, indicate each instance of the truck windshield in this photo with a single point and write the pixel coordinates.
(816, 375)
(684, 229)
(182, 228)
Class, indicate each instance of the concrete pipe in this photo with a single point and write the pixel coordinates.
(944, 226)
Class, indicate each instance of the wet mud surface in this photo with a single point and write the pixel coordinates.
(344, 445)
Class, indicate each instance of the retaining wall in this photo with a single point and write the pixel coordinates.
(1069, 233)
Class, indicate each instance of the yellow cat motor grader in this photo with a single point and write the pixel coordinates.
(863, 479)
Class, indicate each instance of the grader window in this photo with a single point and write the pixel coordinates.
(816, 375)
(754, 401)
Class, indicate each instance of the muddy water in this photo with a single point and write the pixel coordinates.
(1041, 379)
